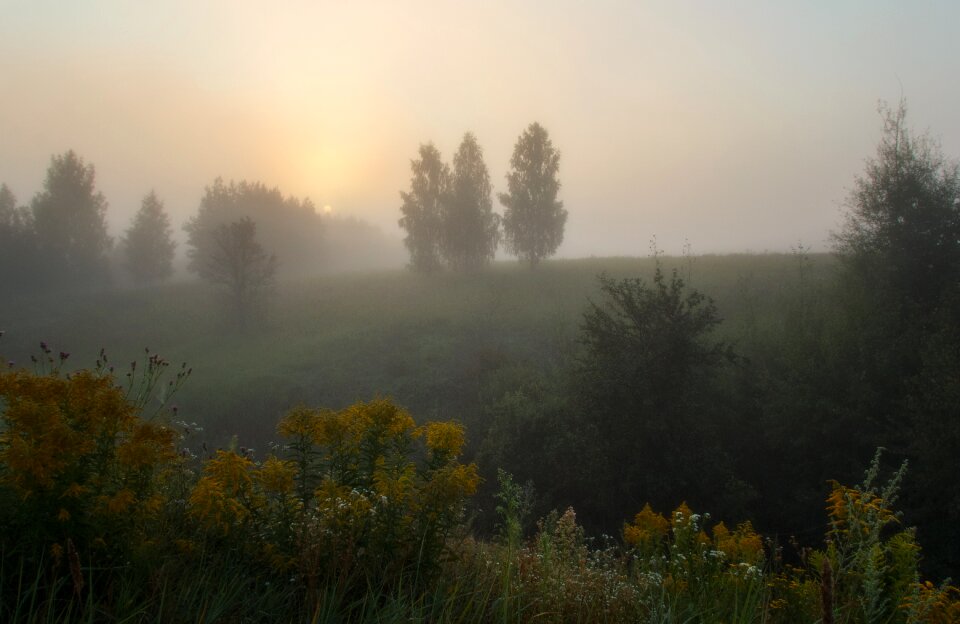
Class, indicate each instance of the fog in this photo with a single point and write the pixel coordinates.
(737, 129)
(734, 294)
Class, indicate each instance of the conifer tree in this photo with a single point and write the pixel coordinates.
(69, 218)
(148, 245)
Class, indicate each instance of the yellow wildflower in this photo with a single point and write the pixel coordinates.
(276, 476)
(681, 515)
(648, 526)
(444, 439)
(121, 501)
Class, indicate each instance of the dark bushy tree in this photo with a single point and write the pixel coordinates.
(471, 230)
(422, 209)
(647, 388)
(234, 259)
(534, 219)
(69, 218)
(149, 245)
(902, 232)
(900, 253)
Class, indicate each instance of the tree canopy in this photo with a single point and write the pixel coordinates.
(236, 261)
(900, 251)
(17, 244)
(471, 230)
(286, 226)
(902, 230)
(69, 218)
(646, 387)
(534, 219)
(223, 244)
(422, 209)
(148, 245)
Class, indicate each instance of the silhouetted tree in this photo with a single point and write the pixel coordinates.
(287, 226)
(149, 245)
(69, 218)
(233, 258)
(471, 230)
(534, 219)
(647, 389)
(422, 209)
(18, 255)
(902, 232)
(900, 253)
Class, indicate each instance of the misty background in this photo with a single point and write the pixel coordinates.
(737, 127)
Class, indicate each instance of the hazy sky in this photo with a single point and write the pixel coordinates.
(736, 125)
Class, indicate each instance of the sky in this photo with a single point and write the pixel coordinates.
(732, 126)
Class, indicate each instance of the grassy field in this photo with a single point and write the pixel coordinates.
(368, 513)
(427, 342)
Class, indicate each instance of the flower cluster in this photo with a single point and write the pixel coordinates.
(347, 498)
(79, 460)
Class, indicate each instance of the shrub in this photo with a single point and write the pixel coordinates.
(348, 502)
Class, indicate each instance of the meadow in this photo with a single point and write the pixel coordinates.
(341, 461)
(337, 339)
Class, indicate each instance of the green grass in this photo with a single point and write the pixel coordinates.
(334, 340)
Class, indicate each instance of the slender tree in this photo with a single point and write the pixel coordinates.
(70, 221)
(148, 245)
(471, 230)
(533, 219)
(422, 209)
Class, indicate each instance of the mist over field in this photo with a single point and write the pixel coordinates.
(479, 312)
(736, 128)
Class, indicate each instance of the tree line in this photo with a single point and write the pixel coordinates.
(448, 213)
(60, 240)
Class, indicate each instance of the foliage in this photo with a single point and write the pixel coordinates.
(645, 378)
(534, 219)
(869, 570)
(495, 351)
(422, 209)
(85, 482)
(18, 245)
(356, 518)
(346, 504)
(287, 226)
(903, 220)
(148, 244)
(69, 218)
(471, 230)
(235, 260)
(900, 299)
